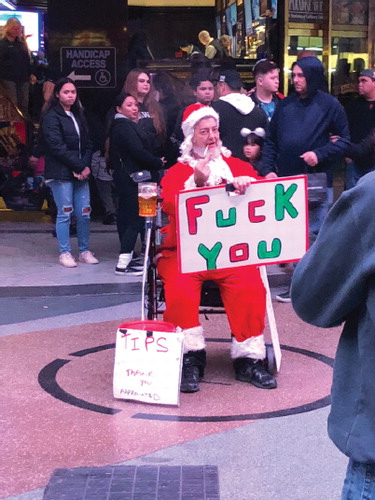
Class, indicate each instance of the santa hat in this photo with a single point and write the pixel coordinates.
(193, 114)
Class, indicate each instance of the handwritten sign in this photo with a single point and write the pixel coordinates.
(148, 366)
(266, 225)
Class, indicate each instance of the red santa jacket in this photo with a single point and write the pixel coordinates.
(174, 181)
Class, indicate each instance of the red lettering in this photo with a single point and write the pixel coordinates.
(134, 340)
(163, 348)
(239, 252)
(149, 340)
(252, 206)
(193, 213)
(125, 336)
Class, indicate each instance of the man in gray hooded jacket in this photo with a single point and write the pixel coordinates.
(335, 283)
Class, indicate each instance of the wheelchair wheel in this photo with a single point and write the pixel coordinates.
(270, 359)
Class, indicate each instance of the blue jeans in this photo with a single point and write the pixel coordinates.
(72, 196)
(359, 482)
(354, 173)
(317, 215)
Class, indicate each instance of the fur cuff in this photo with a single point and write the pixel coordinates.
(253, 347)
(190, 183)
(194, 339)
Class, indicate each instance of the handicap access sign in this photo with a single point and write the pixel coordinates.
(89, 67)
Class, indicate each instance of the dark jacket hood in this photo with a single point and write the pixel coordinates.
(313, 71)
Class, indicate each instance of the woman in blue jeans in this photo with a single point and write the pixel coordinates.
(68, 154)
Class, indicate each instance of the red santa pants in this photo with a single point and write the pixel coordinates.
(242, 292)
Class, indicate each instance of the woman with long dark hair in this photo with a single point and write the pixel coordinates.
(68, 152)
(151, 119)
(129, 153)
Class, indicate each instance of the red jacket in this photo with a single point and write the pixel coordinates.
(174, 181)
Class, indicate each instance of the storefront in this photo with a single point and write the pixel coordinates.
(340, 32)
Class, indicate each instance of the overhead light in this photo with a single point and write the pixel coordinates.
(7, 4)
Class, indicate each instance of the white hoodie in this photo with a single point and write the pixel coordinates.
(241, 102)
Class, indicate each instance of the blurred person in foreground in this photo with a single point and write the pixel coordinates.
(334, 283)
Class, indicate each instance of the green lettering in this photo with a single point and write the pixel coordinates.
(275, 251)
(229, 221)
(210, 255)
(283, 203)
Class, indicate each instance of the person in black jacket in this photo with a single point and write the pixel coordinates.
(361, 117)
(68, 151)
(236, 111)
(15, 64)
(129, 152)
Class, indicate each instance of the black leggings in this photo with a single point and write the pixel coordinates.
(129, 223)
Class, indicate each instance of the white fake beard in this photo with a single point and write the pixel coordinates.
(214, 152)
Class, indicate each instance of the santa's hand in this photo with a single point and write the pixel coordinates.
(271, 175)
(241, 184)
(202, 171)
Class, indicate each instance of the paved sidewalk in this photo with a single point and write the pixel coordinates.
(263, 445)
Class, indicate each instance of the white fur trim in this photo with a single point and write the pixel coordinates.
(253, 347)
(194, 117)
(190, 183)
(193, 339)
(219, 173)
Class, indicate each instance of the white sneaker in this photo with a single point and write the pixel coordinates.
(87, 257)
(66, 259)
(129, 269)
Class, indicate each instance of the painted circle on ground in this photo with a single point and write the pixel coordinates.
(49, 375)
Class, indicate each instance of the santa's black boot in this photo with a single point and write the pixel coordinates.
(254, 372)
(193, 365)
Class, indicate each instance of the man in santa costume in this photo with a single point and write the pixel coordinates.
(204, 162)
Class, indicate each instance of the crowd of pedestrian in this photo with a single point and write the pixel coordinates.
(304, 133)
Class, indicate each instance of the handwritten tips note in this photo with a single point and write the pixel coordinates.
(148, 366)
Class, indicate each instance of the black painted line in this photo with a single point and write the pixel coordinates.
(315, 405)
(311, 354)
(47, 381)
(320, 403)
(92, 350)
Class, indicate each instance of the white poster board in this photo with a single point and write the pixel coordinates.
(266, 225)
(148, 366)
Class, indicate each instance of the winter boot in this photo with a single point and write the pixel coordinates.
(193, 365)
(253, 371)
